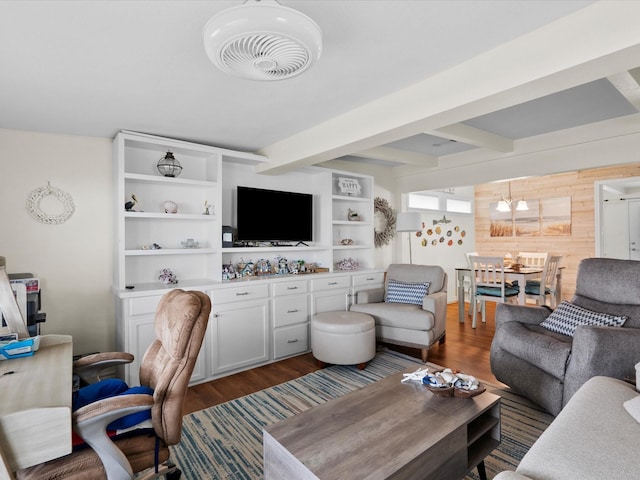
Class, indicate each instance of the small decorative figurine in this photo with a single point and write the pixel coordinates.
(167, 277)
(283, 267)
(247, 270)
(170, 207)
(353, 216)
(128, 206)
(207, 206)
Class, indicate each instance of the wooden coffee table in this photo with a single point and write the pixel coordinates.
(387, 429)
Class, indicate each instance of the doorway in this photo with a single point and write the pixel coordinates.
(618, 218)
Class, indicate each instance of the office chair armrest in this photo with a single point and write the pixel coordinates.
(90, 422)
(88, 368)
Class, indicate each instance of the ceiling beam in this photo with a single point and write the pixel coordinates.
(474, 136)
(399, 156)
(628, 86)
(534, 65)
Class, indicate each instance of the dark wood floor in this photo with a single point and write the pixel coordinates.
(465, 349)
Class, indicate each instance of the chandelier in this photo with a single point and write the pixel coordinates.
(504, 205)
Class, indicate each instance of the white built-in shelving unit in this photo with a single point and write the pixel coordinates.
(254, 320)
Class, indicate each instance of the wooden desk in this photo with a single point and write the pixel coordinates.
(510, 275)
(35, 405)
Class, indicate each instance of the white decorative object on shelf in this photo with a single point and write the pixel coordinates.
(167, 277)
(347, 264)
(349, 186)
(35, 197)
(190, 243)
(170, 207)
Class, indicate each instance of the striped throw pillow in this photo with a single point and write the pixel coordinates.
(567, 317)
(402, 292)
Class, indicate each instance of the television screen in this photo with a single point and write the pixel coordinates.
(274, 216)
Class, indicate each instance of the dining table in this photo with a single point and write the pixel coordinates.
(521, 275)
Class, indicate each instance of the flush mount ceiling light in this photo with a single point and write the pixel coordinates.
(262, 40)
(504, 205)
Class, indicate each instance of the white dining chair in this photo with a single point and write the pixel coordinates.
(532, 259)
(468, 287)
(488, 284)
(547, 286)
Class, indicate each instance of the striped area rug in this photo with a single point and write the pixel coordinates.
(225, 441)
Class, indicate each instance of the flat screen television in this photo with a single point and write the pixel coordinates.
(274, 216)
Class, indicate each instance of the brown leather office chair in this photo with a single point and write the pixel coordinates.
(180, 324)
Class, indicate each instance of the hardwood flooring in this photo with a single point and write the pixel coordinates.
(465, 349)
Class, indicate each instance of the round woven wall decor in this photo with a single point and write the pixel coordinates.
(383, 235)
(35, 197)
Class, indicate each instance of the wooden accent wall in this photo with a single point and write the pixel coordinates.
(579, 185)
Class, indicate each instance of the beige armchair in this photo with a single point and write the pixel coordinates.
(403, 312)
(180, 324)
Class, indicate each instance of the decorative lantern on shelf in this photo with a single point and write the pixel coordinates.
(169, 166)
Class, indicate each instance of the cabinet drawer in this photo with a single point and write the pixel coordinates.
(368, 279)
(289, 288)
(239, 293)
(291, 340)
(330, 283)
(290, 310)
(144, 305)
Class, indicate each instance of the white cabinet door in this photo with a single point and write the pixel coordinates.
(141, 336)
(239, 335)
(330, 300)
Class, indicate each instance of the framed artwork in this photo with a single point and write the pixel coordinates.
(527, 222)
(556, 216)
(501, 222)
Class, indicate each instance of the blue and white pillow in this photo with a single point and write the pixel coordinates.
(567, 317)
(403, 292)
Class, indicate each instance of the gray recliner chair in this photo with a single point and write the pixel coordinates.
(419, 324)
(548, 367)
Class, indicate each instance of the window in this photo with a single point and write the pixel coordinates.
(425, 202)
(456, 201)
(459, 206)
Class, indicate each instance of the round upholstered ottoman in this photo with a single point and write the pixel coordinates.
(343, 338)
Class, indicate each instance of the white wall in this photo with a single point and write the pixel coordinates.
(73, 260)
(448, 257)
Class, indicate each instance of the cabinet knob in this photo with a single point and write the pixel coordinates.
(215, 315)
(332, 283)
(293, 311)
(370, 279)
(240, 294)
(293, 341)
(292, 288)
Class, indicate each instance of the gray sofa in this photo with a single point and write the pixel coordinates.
(549, 367)
(410, 325)
(593, 438)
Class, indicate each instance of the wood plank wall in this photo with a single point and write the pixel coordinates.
(579, 185)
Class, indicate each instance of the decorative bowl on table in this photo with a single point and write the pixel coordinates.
(516, 266)
(447, 383)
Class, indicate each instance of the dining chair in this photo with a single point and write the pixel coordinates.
(467, 282)
(532, 259)
(547, 286)
(488, 283)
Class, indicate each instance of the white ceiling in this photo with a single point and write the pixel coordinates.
(399, 84)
